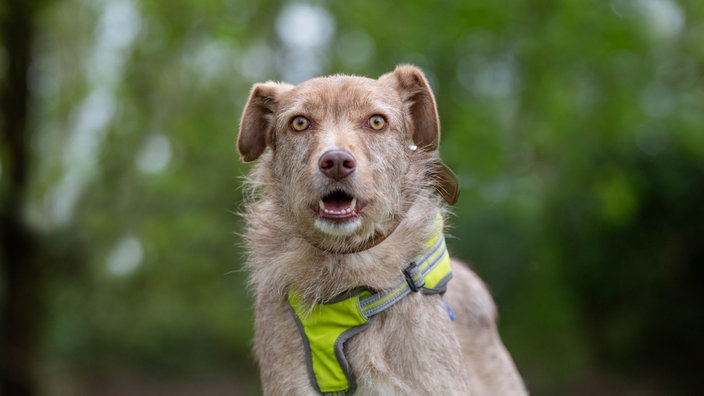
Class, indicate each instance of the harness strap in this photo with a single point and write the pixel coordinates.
(327, 326)
(430, 275)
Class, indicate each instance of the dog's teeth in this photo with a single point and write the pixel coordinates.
(350, 209)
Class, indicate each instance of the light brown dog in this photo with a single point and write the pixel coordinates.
(344, 198)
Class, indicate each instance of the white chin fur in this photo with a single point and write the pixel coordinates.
(333, 228)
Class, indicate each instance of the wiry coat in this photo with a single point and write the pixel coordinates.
(414, 347)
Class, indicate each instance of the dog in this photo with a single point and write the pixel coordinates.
(347, 260)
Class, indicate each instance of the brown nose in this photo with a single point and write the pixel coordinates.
(337, 164)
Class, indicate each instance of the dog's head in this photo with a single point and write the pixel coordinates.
(348, 155)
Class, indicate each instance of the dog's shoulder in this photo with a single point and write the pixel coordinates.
(469, 296)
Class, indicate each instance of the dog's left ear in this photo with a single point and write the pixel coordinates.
(418, 99)
(411, 84)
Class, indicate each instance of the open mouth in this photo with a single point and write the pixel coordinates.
(338, 205)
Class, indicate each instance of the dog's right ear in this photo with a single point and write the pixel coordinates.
(257, 123)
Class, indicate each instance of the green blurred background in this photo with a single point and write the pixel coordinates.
(576, 129)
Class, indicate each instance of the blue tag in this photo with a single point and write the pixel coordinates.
(450, 313)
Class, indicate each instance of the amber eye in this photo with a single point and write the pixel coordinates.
(377, 122)
(300, 123)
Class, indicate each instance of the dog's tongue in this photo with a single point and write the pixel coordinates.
(338, 204)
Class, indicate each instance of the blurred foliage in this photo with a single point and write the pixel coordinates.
(575, 127)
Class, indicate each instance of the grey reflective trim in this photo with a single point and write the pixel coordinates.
(430, 252)
(440, 288)
(429, 268)
(306, 350)
(393, 297)
(363, 303)
(426, 267)
(342, 359)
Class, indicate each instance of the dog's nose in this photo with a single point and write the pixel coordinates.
(337, 164)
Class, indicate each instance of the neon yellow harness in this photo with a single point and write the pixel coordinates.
(326, 327)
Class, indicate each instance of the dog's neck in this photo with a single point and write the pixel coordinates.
(282, 258)
(375, 239)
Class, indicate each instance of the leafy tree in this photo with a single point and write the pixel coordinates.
(574, 127)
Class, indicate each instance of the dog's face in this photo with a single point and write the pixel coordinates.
(347, 153)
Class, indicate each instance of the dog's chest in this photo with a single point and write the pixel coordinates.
(410, 347)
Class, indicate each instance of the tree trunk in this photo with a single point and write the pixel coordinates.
(21, 292)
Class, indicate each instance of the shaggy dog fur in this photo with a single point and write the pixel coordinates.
(343, 196)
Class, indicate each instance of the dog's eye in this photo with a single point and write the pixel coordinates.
(376, 122)
(300, 123)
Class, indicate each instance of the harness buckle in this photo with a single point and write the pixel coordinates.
(413, 277)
